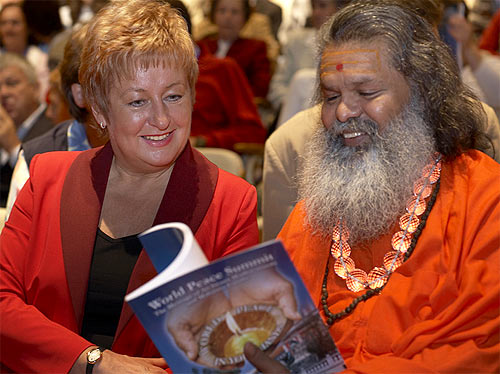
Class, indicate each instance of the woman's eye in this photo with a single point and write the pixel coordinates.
(173, 98)
(137, 103)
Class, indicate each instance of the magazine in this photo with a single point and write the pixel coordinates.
(200, 315)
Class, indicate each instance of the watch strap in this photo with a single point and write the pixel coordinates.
(90, 366)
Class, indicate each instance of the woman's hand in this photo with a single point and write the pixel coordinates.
(112, 363)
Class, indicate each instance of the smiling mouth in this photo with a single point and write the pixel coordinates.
(157, 137)
(351, 135)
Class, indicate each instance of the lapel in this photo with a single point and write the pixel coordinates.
(186, 199)
(81, 202)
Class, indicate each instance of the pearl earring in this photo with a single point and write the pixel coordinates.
(103, 126)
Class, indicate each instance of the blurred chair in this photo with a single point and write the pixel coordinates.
(225, 159)
(252, 155)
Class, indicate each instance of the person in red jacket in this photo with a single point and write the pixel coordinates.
(224, 112)
(490, 37)
(69, 252)
(250, 54)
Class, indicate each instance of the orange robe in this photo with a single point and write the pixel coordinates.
(439, 312)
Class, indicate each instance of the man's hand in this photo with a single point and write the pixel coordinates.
(8, 132)
(262, 362)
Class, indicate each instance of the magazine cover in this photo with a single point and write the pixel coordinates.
(200, 316)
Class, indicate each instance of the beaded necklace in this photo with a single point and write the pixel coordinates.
(403, 244)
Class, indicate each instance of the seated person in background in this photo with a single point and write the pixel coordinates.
(272, 10)
(77, 134)
(43, 20)
(16, 38)
(490, 37)
(258, 26)
(481, 70)
(396, 232)
(224, 112)
(22, 116)
(250, 54)
(80, 211)
(57, 105)
(299, 51)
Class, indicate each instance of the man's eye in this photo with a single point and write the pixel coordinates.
(332, 98)
(369, 94)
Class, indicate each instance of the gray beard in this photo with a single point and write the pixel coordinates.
(367, 186)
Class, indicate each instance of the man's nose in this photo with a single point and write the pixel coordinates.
(347, 109)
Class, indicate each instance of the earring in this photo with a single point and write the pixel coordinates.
(103, 126)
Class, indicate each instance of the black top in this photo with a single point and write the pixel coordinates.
(112, 264)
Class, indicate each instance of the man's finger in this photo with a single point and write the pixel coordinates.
(263, 363)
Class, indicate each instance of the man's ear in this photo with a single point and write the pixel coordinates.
(76, 90)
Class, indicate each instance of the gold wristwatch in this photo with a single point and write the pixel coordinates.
(93, 356)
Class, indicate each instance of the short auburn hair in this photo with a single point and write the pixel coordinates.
(127, 35)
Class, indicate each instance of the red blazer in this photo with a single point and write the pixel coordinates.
(251, 56)
(46, 250)
(224, 112)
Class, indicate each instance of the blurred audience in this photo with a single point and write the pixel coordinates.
(272, 10)
(251, 54)
(22, 115)
(299, 52)
(490, 38)
(224, 112)
(16, 38)
(480, 69)
(57, 105)
(78, 133)
(43, 20)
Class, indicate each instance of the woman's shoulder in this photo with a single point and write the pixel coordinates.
(232, 183)
(53, 164)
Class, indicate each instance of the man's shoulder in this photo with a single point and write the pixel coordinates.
(53, 140)
(474, 163)
(297, 130)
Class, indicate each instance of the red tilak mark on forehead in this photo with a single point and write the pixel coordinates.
(339, 67)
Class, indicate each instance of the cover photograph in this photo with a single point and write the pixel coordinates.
(200, 315)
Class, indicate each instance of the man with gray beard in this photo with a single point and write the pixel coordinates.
(397, 231)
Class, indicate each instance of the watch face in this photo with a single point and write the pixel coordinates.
(94, 355)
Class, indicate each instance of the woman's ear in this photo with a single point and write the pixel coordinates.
(100, 119)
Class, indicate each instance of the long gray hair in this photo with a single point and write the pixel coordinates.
(451, 110)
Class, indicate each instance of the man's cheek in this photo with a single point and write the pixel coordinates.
(327, 117)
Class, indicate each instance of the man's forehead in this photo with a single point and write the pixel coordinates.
(355, 60)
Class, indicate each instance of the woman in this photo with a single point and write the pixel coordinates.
(251, 55)
(68, 253)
